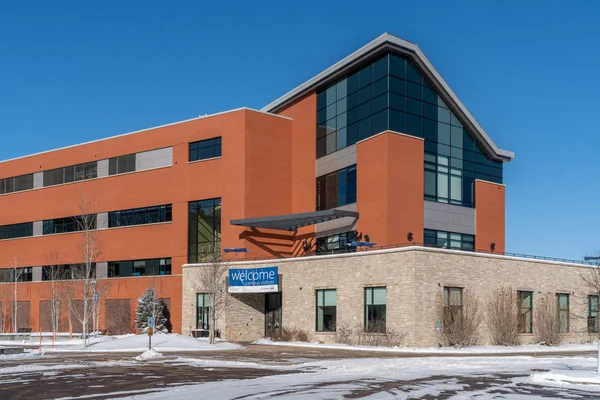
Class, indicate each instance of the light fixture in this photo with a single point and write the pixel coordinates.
(306, 246)
(409, 236)
(493, 246)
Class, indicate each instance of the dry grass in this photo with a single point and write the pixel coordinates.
(291, 335)
(356, 335)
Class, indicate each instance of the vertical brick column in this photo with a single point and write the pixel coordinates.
(490, 215)
(390, 188)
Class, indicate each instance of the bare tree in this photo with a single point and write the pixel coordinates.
(212, 280)
(6, 295)
(460, 320)
(89, 251)
(17, 273)
(547, 324)
(53, 292)
(504, 318)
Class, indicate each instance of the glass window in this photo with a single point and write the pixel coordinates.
(140, 216)
(459, 241)
(414, 90)
(203, 311)
(365, 76)
(326, 310)
(380, 68)
(430, 183)
(24, 274)
(205, 149)
(149, 267)
(562, 312)
(452, 305)
(336, 189)
(380, 121)
(204, 229)
(412, 74)
(68, 224)
(397, 121)
(23, 182)
(375, 309)
(16, 230)
(592, 321)
(526, 302)
(336, 243)
(397, 66)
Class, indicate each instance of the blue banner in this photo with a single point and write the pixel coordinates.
(253, 280)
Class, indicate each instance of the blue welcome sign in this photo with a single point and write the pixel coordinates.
(253, 280)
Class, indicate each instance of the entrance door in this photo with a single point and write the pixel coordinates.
(272, 314)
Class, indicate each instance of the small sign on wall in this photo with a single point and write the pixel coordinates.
(253, 280)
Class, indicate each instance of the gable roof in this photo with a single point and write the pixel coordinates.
(382, 44)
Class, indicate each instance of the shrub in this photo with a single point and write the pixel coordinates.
(290, 335)
(504, 319)
(380, 335)
(459, 323)
(546, 322)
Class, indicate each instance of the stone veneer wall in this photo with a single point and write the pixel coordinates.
(414, 278)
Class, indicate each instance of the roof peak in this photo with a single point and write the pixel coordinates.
(389, 42)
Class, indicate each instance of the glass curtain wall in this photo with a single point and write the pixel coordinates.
(391, 93)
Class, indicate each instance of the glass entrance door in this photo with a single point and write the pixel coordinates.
(272, 314)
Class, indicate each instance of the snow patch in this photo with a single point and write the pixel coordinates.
(566, 377)
(529, 348)
(149, 355)
(139, 343)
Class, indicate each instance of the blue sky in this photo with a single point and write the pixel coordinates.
(73, 72)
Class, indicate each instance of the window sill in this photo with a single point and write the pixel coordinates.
(204, 159)
(328, 333)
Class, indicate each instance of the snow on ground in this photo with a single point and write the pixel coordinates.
(526, 348)
(338, 378)
(149, 355)
(567, 377)
(139, 343)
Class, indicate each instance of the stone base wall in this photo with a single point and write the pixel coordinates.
(414, 278)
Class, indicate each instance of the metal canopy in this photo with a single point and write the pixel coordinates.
(291, 222)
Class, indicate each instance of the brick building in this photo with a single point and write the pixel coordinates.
(375, 149)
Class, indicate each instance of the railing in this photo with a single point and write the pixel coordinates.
(415, 244)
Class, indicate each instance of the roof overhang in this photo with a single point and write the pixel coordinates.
(291, 222)
(382, 44)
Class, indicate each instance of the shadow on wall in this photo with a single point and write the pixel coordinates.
(280, 245)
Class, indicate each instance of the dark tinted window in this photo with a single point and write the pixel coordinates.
(205, 149)
(140, 216)
(16, 230)
(67, 224)
(121, 164)
(16, 183)
(336, 189)
(204, 229)
(153, 266)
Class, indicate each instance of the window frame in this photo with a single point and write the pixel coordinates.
(563, 311)
(332, 326)
(215, 145)
(524, 311)
(369, 313)
(203, 310)
(592, 321)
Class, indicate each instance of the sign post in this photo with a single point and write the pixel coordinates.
(150, 332)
